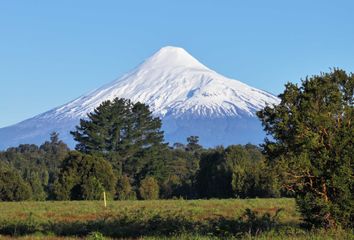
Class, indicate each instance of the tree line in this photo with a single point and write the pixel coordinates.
(121, 150)
(52, 171)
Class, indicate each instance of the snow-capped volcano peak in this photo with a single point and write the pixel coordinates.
(172, 57)
(172, 82)
(190, 99)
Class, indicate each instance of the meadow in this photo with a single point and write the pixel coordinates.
(159, 219)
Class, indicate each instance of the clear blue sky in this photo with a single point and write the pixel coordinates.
(54, 51)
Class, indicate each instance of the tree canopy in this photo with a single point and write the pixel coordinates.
(37, 165)
(84, 177)
(12, 186)
(237, 171)
(128, 135)
(118, 126)
(311, 140)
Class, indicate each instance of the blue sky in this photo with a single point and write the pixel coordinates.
(54, 51)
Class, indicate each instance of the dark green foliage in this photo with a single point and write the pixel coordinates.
(84, 177)
(37, 185)
(124, 190)
(237, 171)
(182, 165)
(12, 186)
(173, 187)
(149, 189)
(313, 133)
(91, 189)
(185, 171)
(38, 166)
(251, 177)
(127, 135)
(214, 176)
(55, 152)
(193, 144)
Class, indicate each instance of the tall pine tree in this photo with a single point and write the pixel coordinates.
(127, 134)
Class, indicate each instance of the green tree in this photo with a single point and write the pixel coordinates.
(54, 153)
(125, 133)
(251, 177)
(12, 186)
(312, 140)
(181, 165)
(237, 171)
(214, 175)
(124, 190)
(37, 187)
(193, 144)
(92, 189)
(38, 166)
(84, 177)
(173, 187)
(149, 189)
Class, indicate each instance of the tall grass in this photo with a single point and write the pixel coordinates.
(159, 219)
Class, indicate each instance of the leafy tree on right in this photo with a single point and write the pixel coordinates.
(312, 143)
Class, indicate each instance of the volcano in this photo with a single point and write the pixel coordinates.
(190, 99)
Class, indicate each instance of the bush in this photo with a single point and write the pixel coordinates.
(95, 236)
(12, 186)
(84, 177)
(124, 189)
(149, 189)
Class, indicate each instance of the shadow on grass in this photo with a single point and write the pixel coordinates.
(251, 223)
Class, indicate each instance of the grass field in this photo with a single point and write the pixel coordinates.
(161, 219)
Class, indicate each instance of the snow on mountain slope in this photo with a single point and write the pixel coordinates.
(179, 89)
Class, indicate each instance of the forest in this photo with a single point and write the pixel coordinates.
(52, 171)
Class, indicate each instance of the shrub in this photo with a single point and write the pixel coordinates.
(12, 186)
(84, 177)
(124, 189)
(149, 189)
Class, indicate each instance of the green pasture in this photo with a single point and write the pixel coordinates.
(159, 219)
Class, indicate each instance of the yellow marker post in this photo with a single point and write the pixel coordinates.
(104, 199)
